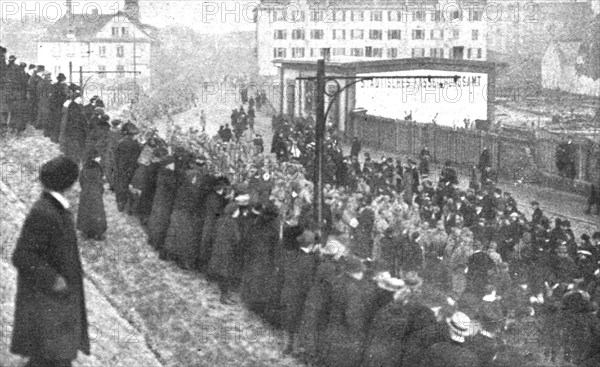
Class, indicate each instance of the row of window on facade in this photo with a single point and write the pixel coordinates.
(120, 32)
(120, 51)
(334, 14)
(373, 34)
(369, 51)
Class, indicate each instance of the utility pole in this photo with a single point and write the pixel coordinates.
(319, 140)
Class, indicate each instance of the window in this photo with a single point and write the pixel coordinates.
(418, 52)
(356, 34)
(298, 34)
(479, 53)
(339, 51)
(394, 16)
(377, 52)
(455, 15)
(278, 15)
(280, 34)
(418, 16)
(316, 34)
(392, 53)
(339, 15)
(375, 34)
(297, 52)
(418, 34)
(120, 51)
(394, 34)
(316, 15)
(437, 34)
(295, 16)
(455, 34)
(436, 16)
(357, 16)
(475, 34)
(339, 34)
(319, 52)
(475, 15)
(279, 53)
(101, 69)
(368, 51)
(115, 31)
(376, 16)
(124, 31)
(357, 51)
(102, 51)
(437, 53)
(120, 69)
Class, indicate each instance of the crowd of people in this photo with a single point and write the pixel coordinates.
(403, 271)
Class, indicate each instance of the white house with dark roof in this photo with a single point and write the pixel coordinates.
(99, 43)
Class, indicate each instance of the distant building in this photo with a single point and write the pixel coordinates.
(99, 43)
(559, 70)
(521, 36)
(378, 29)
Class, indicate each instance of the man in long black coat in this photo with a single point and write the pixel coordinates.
(50, 324)
(58, 97)
(126, 156)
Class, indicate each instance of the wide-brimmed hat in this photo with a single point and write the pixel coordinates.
(391, 284)
(459, 326)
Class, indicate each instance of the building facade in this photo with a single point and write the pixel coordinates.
(376, 29)
(114, 51)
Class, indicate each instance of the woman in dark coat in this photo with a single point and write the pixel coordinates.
(185, 228)
(162, 205)
(224, 265)
(91, 217)
(126, 156)
(298, 268)
(75, 132)
(50, 324)
(258, 280)
(144, 180)
(354, 302)
(214, 204)
(315, 315)
(98, 136)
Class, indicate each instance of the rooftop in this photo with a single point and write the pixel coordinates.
(86, 27)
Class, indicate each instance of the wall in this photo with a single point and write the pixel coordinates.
(517, 154)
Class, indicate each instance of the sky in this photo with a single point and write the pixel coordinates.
(205, 16)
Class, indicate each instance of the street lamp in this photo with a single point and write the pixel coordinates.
(333, 91)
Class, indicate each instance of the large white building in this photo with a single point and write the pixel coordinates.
(383, 29)
(114, 51)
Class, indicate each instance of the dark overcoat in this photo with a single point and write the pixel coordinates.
(97, 138)
(389, 330)
(259, 281)
(298, 272)
(315, 315)
(48, 324)
(214, 204)
(162, 205)
(91, 217)
(126, 157)
(43, 93)
(353, 304)
(75, 133)
(57, 99)
(225, 262)
(185, 228)
(147, 186)
(109, 157)
(449, 354)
